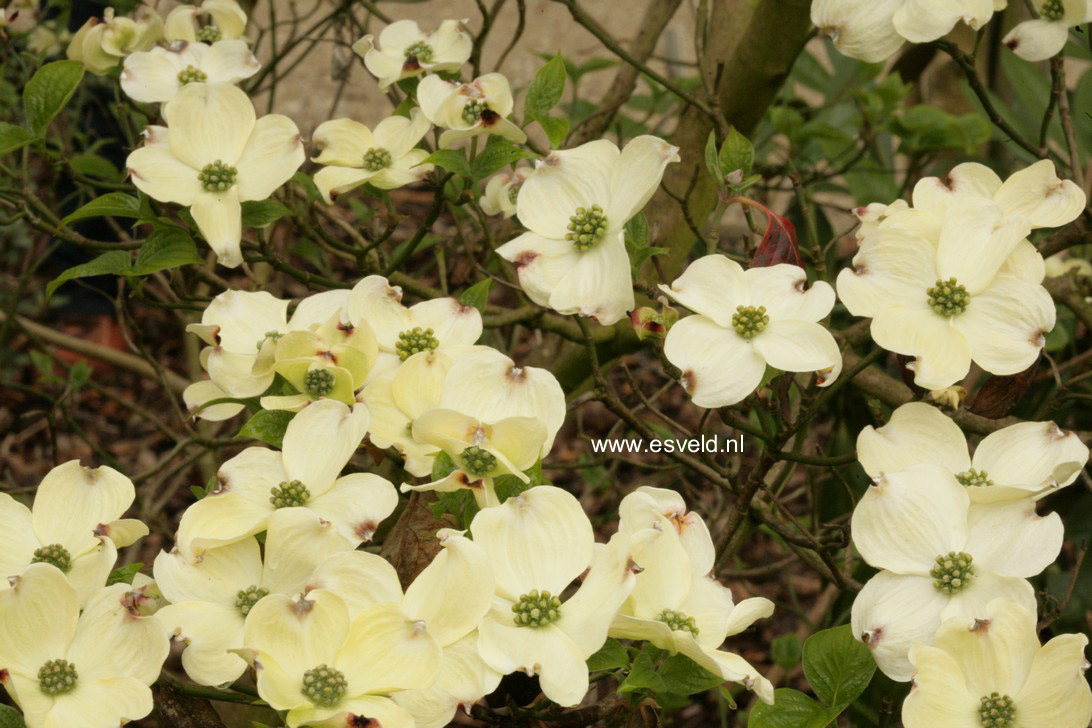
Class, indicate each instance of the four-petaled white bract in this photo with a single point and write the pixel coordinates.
(157, 75)
(465, 110)
(1045, 36)
(405, 51)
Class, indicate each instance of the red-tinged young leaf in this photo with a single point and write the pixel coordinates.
(1001, 393)
(778, 244)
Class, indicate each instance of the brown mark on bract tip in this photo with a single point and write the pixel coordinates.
(360, 721)
(525, 258)
(872, 637)
(980, 625)
(411, 64)
(365, 530)
(489, 117)
(689, 380)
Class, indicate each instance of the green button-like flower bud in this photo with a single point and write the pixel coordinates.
(477, 461)
(536, 609)
(289, 494)
(473, 110)
(57, 677)
(749, 321)
(324, 686)
(209, 34)
(678, 621)
(1052, 9)
(974, 478)
(415, 340)
(996, 711)
(952, 572)
(420, 50)
(247, 598)
(948, 298)
(192, 74)
(318, 382)
(53, 554)
(587, 227)
(217, 176)
(376, 158)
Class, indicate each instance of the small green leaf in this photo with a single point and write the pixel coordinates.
(94, 165)
(268, 426)
(636, 232)
(785, 650)
(712, 159)
(442, 466)
(611, 656)
(111, 263)
(556, 128)
(13, 137)
(112, 204)
(545, 89)
(167, 247)
(507, 486)
(453, 160)
(837, 666)
(684, 676)
(78, 375)
(124, 574)
(10, 718)
(48, 91)
(259, 213)
(643, 676)
(477, 295)
(498, 153)
(791, 709)
(737, 152)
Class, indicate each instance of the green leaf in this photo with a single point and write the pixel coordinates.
(94, 165)
(124, 574)
(167, 247)
(112, 263)
(453, 160)
(611, 656)
(837, 666)
(78, 375)
(259, 213)
(737, 152)
(556, 128)
(636, 231)
(791, 709)
(48, 91)
(268, 426)
(507, 486)
(684, 676)
(477, 295)
(13, 137)
(112, 204)
(10, 718)
(498, 153)
(643, 676)
(545, 89)
(785, 650)
(712, 159)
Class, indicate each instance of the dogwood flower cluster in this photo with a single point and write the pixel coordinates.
(1045, 36)
(955, 538)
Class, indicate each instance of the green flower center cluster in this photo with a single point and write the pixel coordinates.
(996, 711)
(376, 158)
(749, 321)
(289, 494)
(415, 340)
(209, 34)
(53, 554)
(948, 298)
(974, 478)
(473, 111)
(324, 686)
(57, 677)
(678, 621)
(477, 461)
(247, 598)
(952, 572)
(217, 176)
(536, 609)
(420, 50)
(275, 335)
(192, 74)
(1052, 9)
(318, 382)
(513, 192)
(586, 227)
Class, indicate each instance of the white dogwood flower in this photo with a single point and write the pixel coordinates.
(253, 485)
(210, 595)
(538, 543)
(481, 451)
(405, 51)
(157, 75)
(575, 206)
(954, 280)
(208, 22)
(994, 673)
(481, 106)
(1043, 37)
(940, 559)
(502, 191)
(386, 158)
(242, 329)
(64, 668)
(216, 155)
(1027, 460)
(101, 44)
(675, 604)
(439, 324)
(744, 321)
(76, 525)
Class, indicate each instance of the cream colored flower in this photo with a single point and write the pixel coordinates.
(1045, 36)
(872, 31)
(993, 673)
(468, 109)
(502, 190)
(575, 206)
(439, 325)
(76, 525)
(481, 451)
(676, 605)
(211, 594)
(386, 158)
(216, 155)
(327, 669)
(940, 559)
(954, 278)
(158, 75)
(253, 485)
(405, 51)
(448, 600)
(538, 543)
(101, 44)
(746, 320)
(64, 668)
(1028, 460)
(208, 22)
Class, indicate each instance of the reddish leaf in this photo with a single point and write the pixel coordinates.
(1001, 393)
(778, 244)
